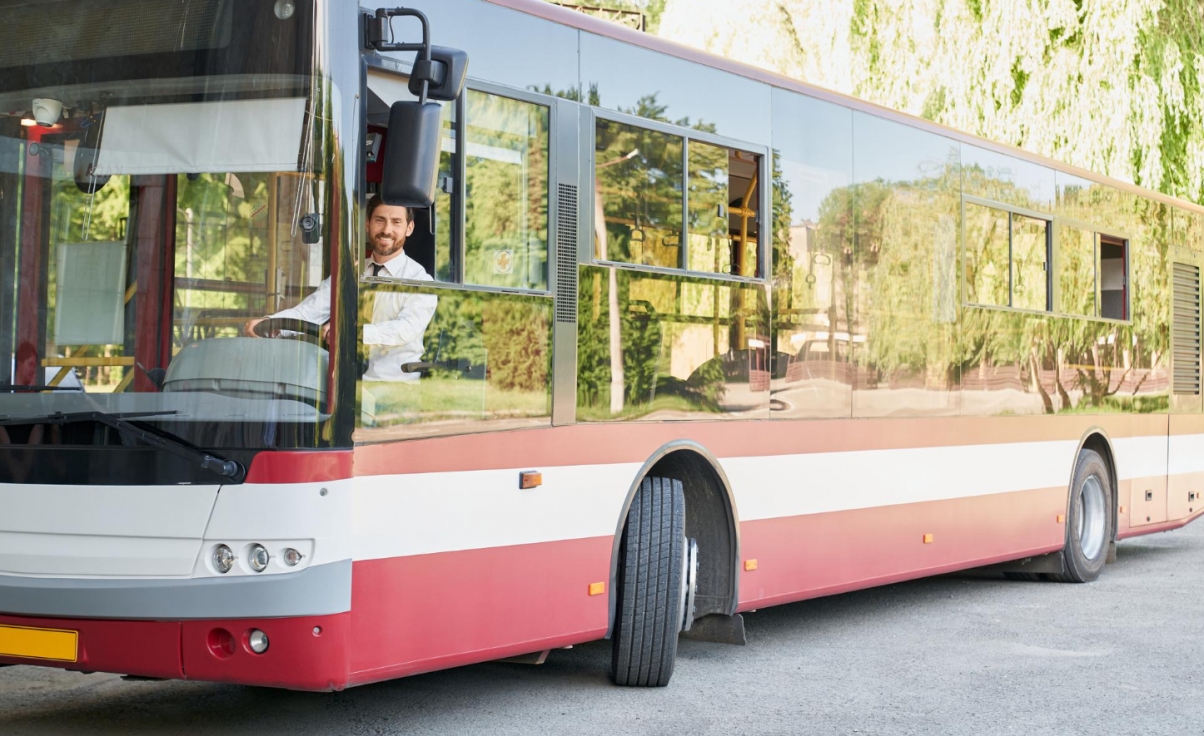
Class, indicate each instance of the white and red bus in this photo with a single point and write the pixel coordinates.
(677, 339)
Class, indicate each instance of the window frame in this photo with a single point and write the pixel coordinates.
(764, 194)
(1012, 211)
(1099, 233)
(459, 167)
(1053, 297)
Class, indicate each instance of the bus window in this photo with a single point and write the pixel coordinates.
(988, 274)
(1076, 271)
(1113, 268)
(430, 245)
(723, 210)
(638, 195)
(1030, 258)
(506, 193)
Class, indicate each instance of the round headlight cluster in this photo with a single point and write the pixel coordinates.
(292, 557)
(259, 558)
(223, 559)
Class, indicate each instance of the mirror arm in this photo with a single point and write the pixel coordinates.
(376, 27)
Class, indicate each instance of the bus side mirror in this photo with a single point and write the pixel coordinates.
(444, 74)
(411, 163)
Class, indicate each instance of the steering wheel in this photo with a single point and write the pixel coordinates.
(307, 331)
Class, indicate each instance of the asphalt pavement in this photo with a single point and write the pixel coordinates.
(960, 654)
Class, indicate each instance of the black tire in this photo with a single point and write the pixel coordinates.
(1089, 520)
(648, 612)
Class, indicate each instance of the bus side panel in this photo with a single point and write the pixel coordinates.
(426, 612)
(808, 556)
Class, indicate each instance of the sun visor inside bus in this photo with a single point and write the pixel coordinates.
(203, 137)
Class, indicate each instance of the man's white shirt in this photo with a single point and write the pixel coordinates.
(399, 320)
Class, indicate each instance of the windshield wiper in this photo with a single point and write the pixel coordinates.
(22, 388)
(155, 437)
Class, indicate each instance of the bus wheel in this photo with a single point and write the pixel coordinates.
(1089, 523)
(655, 588)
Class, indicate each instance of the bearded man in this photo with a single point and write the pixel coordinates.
(399, 320)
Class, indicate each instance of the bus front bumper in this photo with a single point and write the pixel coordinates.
(187, 628)
(304, 653)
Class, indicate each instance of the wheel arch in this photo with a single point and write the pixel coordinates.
(1097, 439)
(711, 518)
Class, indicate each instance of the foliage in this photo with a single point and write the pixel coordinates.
(1113, 87)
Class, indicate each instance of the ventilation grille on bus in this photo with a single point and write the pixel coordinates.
(566, 255)
(1185, 342)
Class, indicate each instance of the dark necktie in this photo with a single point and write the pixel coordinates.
(377, 268)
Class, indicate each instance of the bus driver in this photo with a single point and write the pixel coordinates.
(399, 320)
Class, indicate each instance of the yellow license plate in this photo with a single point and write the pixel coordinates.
(21, 641)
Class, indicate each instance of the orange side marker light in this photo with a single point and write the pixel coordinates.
(597, 588)
(530, 479)
(1122, 509)
(750, 565)
(929, 538)
(1061, 518)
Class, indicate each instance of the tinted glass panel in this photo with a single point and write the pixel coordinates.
(1076, 271)
(654, 346)
(1030, 251)
(724, 197)
(907, 207)
(1004, 178)
(638, 195)
(988, 275)
(506, 205)
(471, 362)
(710, 243)
(812, 257)
(617, 76)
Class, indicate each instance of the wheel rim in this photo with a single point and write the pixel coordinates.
(1091, 512)
(689, 583)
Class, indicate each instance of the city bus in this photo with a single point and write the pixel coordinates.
(675, 339)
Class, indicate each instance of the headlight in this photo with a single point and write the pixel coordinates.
(259, 558)
(223, 559)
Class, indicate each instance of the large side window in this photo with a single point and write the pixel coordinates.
(671, 201)
(454, 353)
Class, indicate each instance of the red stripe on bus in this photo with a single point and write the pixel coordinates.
(634, 442)
(802, 557)
(314, 466)
(429, 612)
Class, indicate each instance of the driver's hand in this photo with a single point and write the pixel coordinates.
(249, 328)
(326, 333)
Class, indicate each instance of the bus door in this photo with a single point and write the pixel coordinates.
(477, 293)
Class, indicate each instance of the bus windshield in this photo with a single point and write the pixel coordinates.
(161, 183)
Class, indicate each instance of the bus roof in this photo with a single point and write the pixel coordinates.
(589, 24)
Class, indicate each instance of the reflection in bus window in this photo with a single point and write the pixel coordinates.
(506, 206)
(988, 273)
(638, 195)
(723, 210)
(486, 364)
(1030, 250)
(1076, 271)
